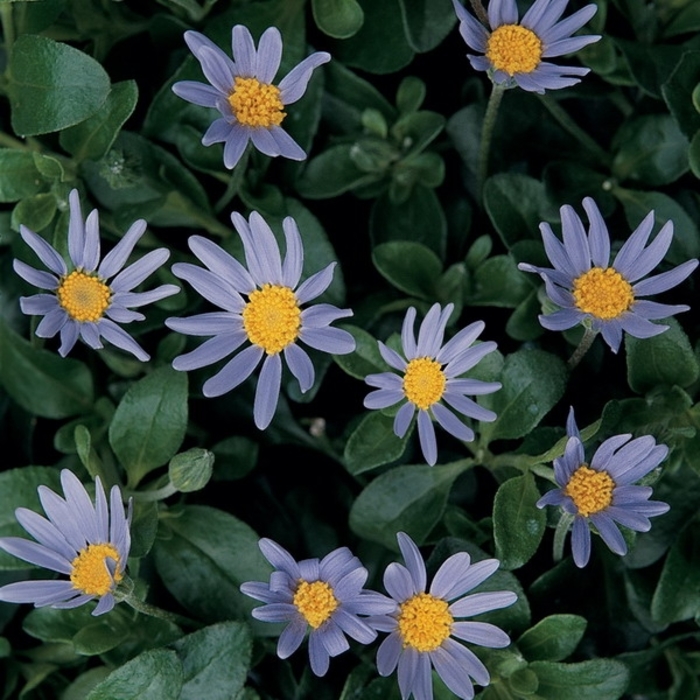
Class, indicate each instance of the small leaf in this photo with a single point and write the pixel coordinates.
(373, 443)
(410, 267)
(427, 22)
(410, 498)
(518, 525)
(36, 212)
(598, 679)
(667, 359)
(155, 674)
(553, 638)
(40, 381)
(191, 470)
(338, 18)
(366, 359)
(52, 85)
(19, 175)
(150, 421)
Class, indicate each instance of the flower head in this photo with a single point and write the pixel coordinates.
(514, 50)
(431, 375)
(591, 291)
(88, 543)
(424, 626)
(83, 302)
(325, 597)
(270, 318)
(602, 492)
(251, 107)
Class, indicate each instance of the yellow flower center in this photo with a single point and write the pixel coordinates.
(272, 318)
(90, 574)
(424, 382)
(514, 49)
(424, 622)
(83, 296)
(590, 490)
(256, 104)
(315, 601)
(604, 293)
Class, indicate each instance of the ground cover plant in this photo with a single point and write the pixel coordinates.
(349, 349)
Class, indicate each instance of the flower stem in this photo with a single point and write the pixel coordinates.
(560, 536)
(479, 11)
(8, 25)
(152, 611)
(569, 125)
(583, 347)
(486, 135)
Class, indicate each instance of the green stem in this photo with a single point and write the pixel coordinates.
(583, 347)
(486, 136)
(8, 26)
(569, 125)
(153, 495)
(10, 141)
(152, 611)
(560, 536)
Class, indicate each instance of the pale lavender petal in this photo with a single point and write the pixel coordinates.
(120, 338)
(471, 386)
(321, 315)
(39, 278)
(473, 32)
(269, 55)
(45, 532)
(286, 145)
(104, 605)
(561, 320)
(580, 542)
(575, 240)
(39, 305)
(398, 582)
(259, 591)
(197, 93)
(236, 370)
(45, 252)
(101, 511)
(569, 45)
(382, 398)
(36, 553)
(609, 532)
(449, 576)
(212, 323)
(557, 254)
(136, 299)
(463, 658)
(261, 250)
(318, 655)
(210, 286)
(294, 256)
(267, 392)
(220, 130)
(76, 229)
(468, 359)
(625, 260)
(414, 561)
(332, 638)
(569, 25)
(279, 557)
(555, 497)
(243, 50)
(386, 380)
(408, 340)
(469, 578)
(408, 666)
(640, 327)
(478, 603)
(209, 352)
(275, 612)
(388, 654)
(216, 68)
(468, 407)
(331, 340)
(236, 140)
(293, 86)
(423, 678)
(264, 141)
(354, 627)
(117, 257)
(542, 13)
(300, 366)
(451, 423)
(80, 505)
(460, 342)
(90, 335)
(195, 41)
(431, 329)
(502, 12)
(137, 272)
(653, 310)
(315, 285)
(666, 280)
(69, 334)
(37, 592)
(91, 252)
(222, 264)
(453, 671)
(481, 633)
(391, 357)
(291, 638)
(426, 436)
(403, 418)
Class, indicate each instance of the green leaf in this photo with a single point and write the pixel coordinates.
(331, 173)
(663, 359)
(651, 149)
(235, 457)
(694, 154)
(518, 525)
(52, 85)
(650, 65)
(155, 674)
(598, 679)
(410, 267)
(373, 443)
(366, 359)
(215, 661)
(18, 489)
(19, 175)
(686, 19)
(427, 22)
(410, 498)
(93, 137)
(516, 205)
(686, 238)
(381, 45)
(419, 220)
(191, 470)
(40, 381)
(533, 382)
(677, 596)
(682, 81)
(338, 18)
(36, 212)
(553, 638)
(149, 423)
(203, 555)
(498, 282)
(410, 95)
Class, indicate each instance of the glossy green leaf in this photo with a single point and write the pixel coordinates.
(498, 282)
(215, 661)
(408, 499)
(366, 359)
(553, 638)
(651, 149)
(667, 359)
(18, 489)
(19, 175)
(191, 470)
(597, 679)
(518, 525)
(410, 267)
(93, 137)
(52, 85)
(373, 443)
(35, 212)
(41, 381)
(203, 555)
(150, 421)
(155, 674)
(427, 22)
(338, 18)
(533, 382)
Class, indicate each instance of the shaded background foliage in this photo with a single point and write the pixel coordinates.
(392, 127)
